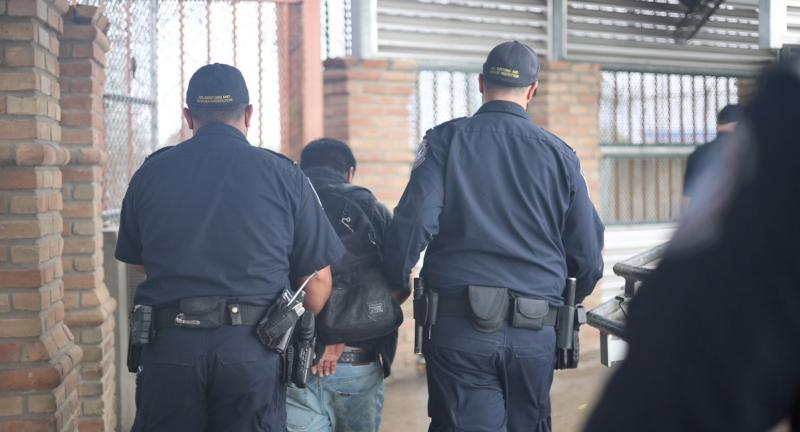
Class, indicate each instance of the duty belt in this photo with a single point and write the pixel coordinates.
(459, 308)
(238, 314)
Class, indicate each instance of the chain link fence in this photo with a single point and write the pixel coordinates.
(156, 45)
(337, 28)
(442, 96)
(649, 124)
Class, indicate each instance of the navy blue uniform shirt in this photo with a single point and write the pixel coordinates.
(499, 202)
(215, 216)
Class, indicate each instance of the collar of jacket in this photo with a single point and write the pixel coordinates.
(323, 176)
(506, 107)
(221, 129)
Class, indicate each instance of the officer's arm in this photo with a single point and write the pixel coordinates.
(416, 217)
(583, 237)
(318, 290)
(129, 238)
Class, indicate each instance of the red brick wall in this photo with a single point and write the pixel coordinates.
(368, 105)
(38, 378)
(89, 308)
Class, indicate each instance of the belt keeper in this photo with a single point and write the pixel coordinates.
(236, 314)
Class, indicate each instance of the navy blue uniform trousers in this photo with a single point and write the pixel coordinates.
(211, 380)
(492, 382)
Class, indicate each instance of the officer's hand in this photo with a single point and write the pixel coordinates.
(327, 363)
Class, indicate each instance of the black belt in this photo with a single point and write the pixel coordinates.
(358, 358)
(250, 315)
(459, 308)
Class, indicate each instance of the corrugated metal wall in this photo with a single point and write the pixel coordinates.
(615, 33)
(641, 33)
(792, 22)
(458, 31)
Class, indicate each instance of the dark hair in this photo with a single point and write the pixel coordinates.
(729, 114)
(218, 115)
(327, 152)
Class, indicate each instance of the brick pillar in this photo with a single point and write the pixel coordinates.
(89, 308)
(567, 104)
(745, 89)
(300, 72)
(38, 377)
(368, 105)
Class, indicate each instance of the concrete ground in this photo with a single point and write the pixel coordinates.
(573, 395)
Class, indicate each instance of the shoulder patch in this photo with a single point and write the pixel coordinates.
(422, 152)
(161, 150)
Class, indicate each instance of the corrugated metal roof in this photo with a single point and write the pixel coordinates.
(792, 22)
(641, 33)
(458, 32)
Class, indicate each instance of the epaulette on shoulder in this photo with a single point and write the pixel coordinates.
(557, 139)
(284, 157)
(159, 151)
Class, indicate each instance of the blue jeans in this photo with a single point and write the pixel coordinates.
(351, 400)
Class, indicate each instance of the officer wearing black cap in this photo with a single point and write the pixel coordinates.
(220, 228)
(504, 212)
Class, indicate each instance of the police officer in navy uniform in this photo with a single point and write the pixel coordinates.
(219, 228)
(499, 202)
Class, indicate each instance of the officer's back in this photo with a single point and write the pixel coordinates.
(220, 228)
(505, 213)
(212, 214)
(508, 188)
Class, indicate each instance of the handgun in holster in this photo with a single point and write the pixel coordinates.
(304, 347)
(570, 317)
(426, 305)
(140, 333)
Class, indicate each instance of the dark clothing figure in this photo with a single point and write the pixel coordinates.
(380, 217)
(502, 203)
(498, 202)
(698, 162)
(714, 331)
(215, 216)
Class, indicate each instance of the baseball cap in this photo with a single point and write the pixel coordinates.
(511, 64)
(216, 86)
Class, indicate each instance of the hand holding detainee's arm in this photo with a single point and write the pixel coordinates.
(318, 289)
